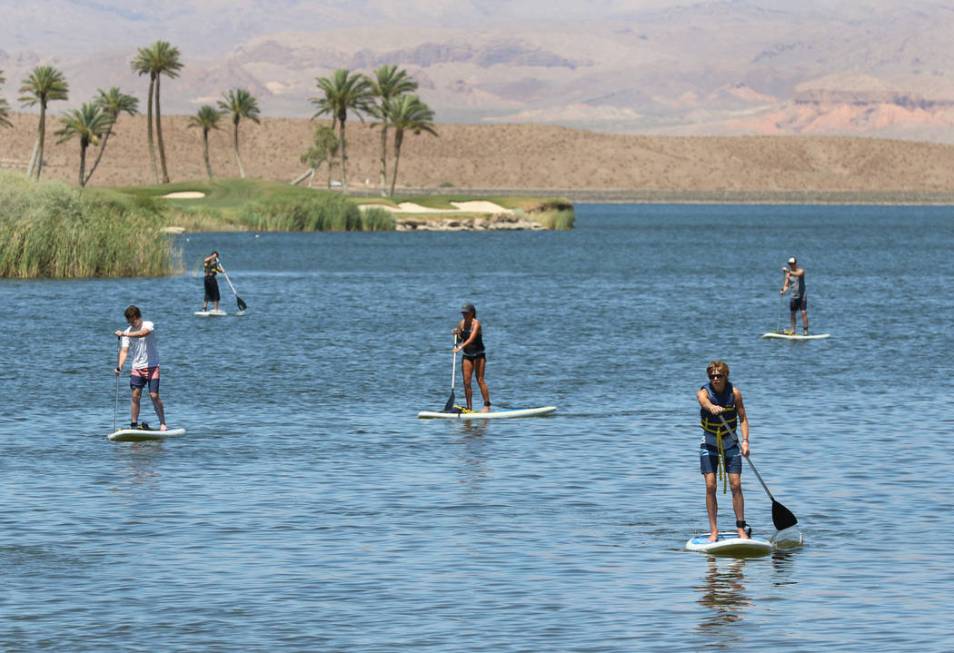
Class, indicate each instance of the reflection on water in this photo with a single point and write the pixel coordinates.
(723, 592)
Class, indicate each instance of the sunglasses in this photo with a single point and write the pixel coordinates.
(716, 376)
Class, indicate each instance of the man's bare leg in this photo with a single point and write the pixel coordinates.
(712, 507)
(738, 502)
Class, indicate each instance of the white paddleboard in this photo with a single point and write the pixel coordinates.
(138, 435)
(795, 336)
(210, 313)
(499, 414)
(730, 544)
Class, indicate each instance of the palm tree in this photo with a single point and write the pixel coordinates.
(113, 102)
(323, 149)
(408, 113)
(240, 104)
(206, 119)
(343, 91)
(89, 123)
(4, 107)
(160, 58)
(44, 85)
(388, 83)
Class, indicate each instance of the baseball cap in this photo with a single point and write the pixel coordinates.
(468, 308)
(791, 260)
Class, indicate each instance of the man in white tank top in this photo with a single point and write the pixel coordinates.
(139, 344)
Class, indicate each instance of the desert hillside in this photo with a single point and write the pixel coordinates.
(522, 157)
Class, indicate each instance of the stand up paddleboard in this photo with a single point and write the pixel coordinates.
(500, 414)
(794, 336)
(139, 435)
(730, 544)
(210, 313)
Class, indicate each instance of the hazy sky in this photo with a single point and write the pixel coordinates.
(212, 26)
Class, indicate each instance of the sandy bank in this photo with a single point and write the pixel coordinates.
(184, 195)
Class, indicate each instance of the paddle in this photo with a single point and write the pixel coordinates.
(119, 344)
(238, 300)
(449, 406)
(782, 517)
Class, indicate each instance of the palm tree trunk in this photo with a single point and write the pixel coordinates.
(398, 140)
(99, 155)
(82, 170)
(162, 147)
(205, 151)
(152, 145)
(307, 174)
(344, 154)
(41, 140)
(36, 148)
(235, 147)
(384, 157)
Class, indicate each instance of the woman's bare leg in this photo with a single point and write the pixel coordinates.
(481, 366)
(467, 369)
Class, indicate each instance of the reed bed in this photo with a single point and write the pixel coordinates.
(315, 212)
(49, 230)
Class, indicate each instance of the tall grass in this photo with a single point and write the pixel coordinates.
(559, 220)
(49, 230)
(314, 212)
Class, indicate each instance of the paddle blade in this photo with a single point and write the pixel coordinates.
(782, 517)
(449, 406)
(241, 303)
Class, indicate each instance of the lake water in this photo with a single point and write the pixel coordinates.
(309, 510)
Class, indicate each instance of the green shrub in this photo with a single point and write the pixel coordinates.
(313, 212)
(376, 218)
(49, 230)
(561, 220)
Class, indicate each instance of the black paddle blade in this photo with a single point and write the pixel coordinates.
(449, 406)
(782, 517)
(241, 303)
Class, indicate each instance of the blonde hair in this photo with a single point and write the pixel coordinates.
(718, 365)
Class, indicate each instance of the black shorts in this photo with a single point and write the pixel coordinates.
(799, 304)
(475, 357)
(211, 290)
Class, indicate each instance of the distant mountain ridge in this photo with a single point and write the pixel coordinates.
(874, 68)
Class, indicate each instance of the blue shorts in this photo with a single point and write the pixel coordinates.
(147, 375)
(709, 459)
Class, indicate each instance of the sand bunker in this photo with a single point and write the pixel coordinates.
(184, 195)
(461, 207)
(480, 207)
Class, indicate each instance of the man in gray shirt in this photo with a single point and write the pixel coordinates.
(795, 279)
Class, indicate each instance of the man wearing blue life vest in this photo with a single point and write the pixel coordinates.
(795, 279)
(722, 417)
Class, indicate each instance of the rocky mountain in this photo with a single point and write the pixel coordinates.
(872, 67)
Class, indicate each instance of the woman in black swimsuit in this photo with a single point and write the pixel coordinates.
(475, 358)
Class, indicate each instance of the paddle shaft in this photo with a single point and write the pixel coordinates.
(449, 405)
(747, 459)
(454, 365)
(119, 344)
(238, 300)
(228, 281)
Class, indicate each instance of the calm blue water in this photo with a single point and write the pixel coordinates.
(308, 510)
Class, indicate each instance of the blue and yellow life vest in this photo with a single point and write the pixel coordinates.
(714, 426)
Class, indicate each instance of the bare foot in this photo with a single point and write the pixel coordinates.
(485, 409)
(163, 427)
(743, 535)
(714, 536)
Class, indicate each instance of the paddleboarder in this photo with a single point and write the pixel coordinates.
(795, 280)
(722, 417)
(211, 267)
(474, 361)
(139, 340)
